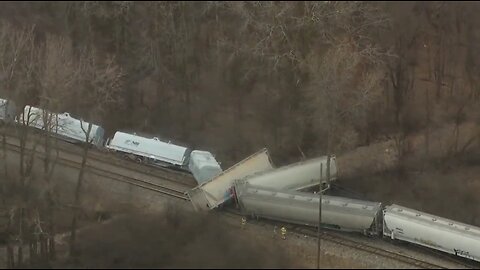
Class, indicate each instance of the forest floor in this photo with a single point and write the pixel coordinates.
(442, 181)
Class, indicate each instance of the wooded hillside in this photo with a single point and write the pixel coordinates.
(232, 77)
(391, 88)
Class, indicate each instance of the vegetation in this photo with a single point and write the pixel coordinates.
(300, 78)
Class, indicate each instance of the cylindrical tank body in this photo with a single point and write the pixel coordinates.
(431, 231)
(151, 148)
(61, 125)
(295, 176)
(302, 208)
(203, 166)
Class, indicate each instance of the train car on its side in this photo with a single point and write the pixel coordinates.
(217, 191)
(203, 166)
(296, 176)
(431, 231)
(302, 208)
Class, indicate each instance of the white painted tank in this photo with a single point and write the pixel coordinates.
(295, 176)
(76, 129)
(151, 148)
(62, 125)
(302, 208)
(431, 231)
(203, 166)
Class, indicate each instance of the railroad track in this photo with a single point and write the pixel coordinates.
(110, 158)
(173, 192)
(105, 156)
(179, 193)
(371, 249)
(301, 230)
(465, 262)
(176, 192)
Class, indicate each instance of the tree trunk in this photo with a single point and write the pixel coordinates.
(22, 157)
(48, 172)
(10, 249)
(427, 129)
(43, 247)
(10, 256)
(51, 229)
(20, 238)
(30, 250)
(5, 168)
(78, 191)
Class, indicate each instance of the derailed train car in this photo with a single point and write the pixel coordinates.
(301, 208)
(217, 191)
(296, 176)
(370, 218)
(203, 166)
(61, 125)
(434, 232)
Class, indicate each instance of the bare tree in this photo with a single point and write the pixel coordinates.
(58, 75)
(17, 64)
(14, 48)
(102, 83)
(339, 97)
(47, 68)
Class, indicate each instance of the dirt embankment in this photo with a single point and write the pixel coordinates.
(443, 142)
(443, 181)
(175, 238)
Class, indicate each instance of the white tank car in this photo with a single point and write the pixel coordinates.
(431, 231)
(302, 208)
(33, 117)
(295, 176)
(218, 190)
(203, 166)
(76, 130)
(8, 111)
(62, 125)
(150, 149)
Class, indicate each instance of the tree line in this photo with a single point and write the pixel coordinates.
(301, 78)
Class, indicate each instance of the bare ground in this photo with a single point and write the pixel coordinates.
(443, 181)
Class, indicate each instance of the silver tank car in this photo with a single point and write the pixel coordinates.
(76, 130)
(296, 176)
(431, 231)
(203, 166)
(302, 208)
(153, 149)
(62, 125)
